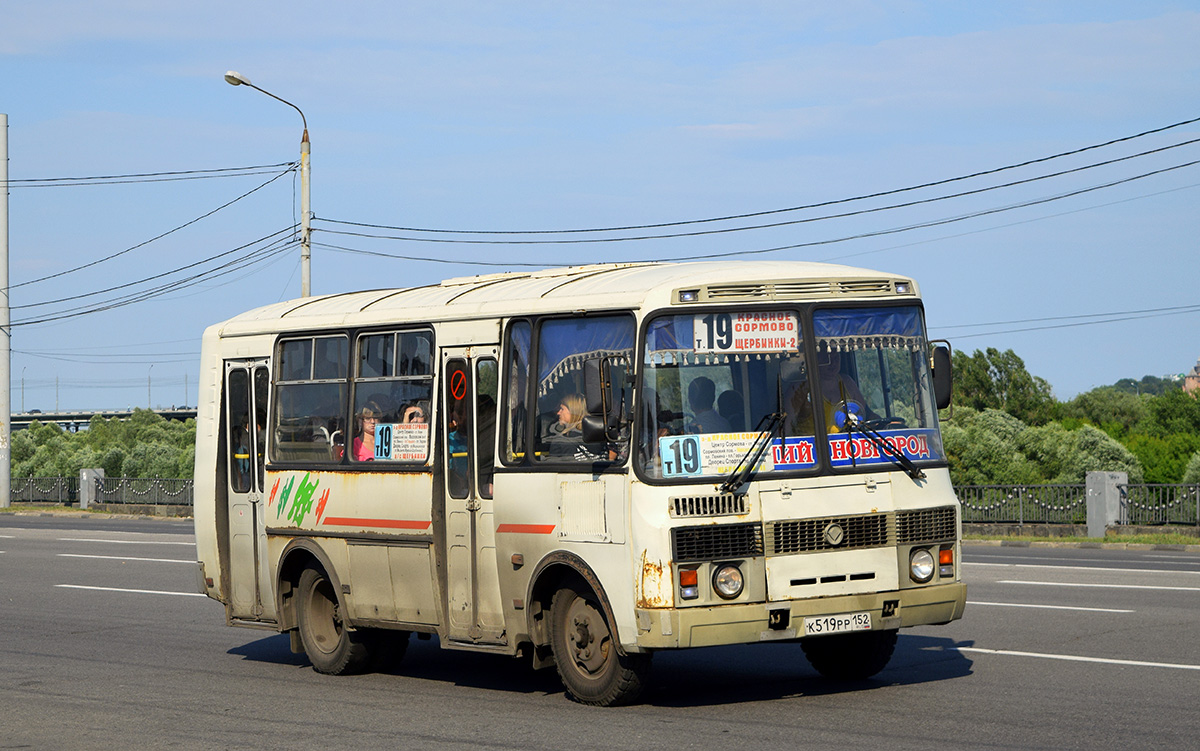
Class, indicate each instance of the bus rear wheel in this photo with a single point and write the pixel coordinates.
(850, 657)
(591, 667)
(330, 644)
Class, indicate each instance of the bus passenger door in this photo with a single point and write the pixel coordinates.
(469, 377)
(246, 388)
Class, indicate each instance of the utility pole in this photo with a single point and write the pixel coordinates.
(237, 79)
(5, 330)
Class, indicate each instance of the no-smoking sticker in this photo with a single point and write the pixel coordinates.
(458, 385)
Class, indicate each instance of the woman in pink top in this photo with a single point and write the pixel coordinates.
(364, 442)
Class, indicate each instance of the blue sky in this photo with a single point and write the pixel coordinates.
(540, 115)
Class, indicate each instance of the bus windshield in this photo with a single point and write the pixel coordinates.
(711, 381)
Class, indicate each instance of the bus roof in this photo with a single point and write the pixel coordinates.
(609, 286)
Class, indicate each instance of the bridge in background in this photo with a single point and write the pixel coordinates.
(73, 421)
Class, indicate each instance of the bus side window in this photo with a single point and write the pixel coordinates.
(564, 345)
(310, 399)
(516, 390)
(485, 421)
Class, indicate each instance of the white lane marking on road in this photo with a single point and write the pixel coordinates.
(122, 542)
(131, 591)
(1049, 607)
(124, 558)
(1085, 568)
(1189, 560)
(7, 537)
(1102, 586)
(1077, 658)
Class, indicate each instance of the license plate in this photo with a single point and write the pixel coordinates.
(837, 624)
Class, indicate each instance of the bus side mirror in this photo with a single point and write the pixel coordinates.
(942, 377)
(603, 401)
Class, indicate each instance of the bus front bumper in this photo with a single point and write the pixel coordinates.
(672, 628)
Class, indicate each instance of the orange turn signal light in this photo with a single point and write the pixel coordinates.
(689, 578)
(946, 557)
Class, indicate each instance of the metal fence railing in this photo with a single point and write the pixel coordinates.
(151, 491)
(1023, 504)
(123, 490)
(53, 489)
(1151, 504)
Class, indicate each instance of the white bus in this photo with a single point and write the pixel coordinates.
(583, 466)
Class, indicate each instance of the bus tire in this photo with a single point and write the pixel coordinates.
(330, 644)
(850, 657)
(592, 668)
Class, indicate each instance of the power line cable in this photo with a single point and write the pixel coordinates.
(254, 257)
(808, 220)
(156, 276)
(938, 222)
(1077, 324)
(803, 207)
(1174, 308)
(147, 242)
(208, 174)
(1010, 224)
(795, 246)
(399, 257)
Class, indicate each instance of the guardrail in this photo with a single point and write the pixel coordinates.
(54, 489)
(1140, 504)
(144, 491)
(1160, 504)
(1023, 504)
(147, 491)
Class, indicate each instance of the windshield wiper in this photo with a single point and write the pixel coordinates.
(741, 473)
(855, 423)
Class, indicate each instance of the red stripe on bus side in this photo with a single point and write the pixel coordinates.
(347, 521)
(526, 529)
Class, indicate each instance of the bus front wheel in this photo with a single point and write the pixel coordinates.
(850, 657)
(330, 644)
(585, 650)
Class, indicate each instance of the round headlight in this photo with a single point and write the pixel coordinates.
(727, 581)
(920, 563)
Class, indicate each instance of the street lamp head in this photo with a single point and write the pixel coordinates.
(234, 78)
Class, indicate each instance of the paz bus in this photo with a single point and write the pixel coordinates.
(582, 467)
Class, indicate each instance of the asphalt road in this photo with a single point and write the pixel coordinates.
(104, 646)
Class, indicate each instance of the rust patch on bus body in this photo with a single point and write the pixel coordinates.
(654, 590)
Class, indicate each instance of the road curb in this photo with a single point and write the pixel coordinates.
(1081, 545)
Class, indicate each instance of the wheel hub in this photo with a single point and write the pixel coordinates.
(588, 636)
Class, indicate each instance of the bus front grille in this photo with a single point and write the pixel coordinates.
(834, 533)
(925, 525)
(708, 505)
(716, 541)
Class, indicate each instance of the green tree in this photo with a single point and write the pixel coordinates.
(1114, 411)
(1170, 413)
(1191, 475)
(1149, 385)
(999, 380)
(1165, 458)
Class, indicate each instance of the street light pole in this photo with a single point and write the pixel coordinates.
(237, 79)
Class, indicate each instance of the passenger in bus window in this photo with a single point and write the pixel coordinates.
(364, 443)
(565, 437)
(413, 413)
(839, 395)
(729, 404)
(702, 392)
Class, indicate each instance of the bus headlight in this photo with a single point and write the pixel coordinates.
(728, 582)
(920, 564)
